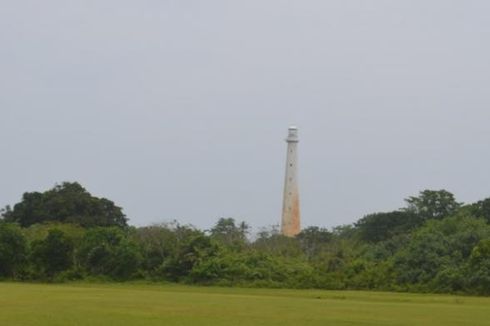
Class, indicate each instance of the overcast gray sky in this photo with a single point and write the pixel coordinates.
(179, 109)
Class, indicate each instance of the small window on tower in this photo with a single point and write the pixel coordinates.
(291, 164)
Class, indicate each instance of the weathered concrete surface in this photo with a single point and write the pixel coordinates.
(291, 214)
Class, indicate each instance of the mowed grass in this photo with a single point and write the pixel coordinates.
(140, 304)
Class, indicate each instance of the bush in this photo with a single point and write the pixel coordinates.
(52, 255)
(108, 251)
(438, 251)
(254, 268)
(191, 251)
(479, 268)
(13, 250)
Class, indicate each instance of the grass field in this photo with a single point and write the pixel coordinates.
(139, 304)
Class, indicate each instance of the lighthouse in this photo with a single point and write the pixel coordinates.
(291, 224)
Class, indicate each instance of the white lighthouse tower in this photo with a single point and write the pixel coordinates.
(291, 216)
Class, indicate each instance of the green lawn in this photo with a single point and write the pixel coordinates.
(136, 304)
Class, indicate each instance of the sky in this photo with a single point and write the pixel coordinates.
(179, 109)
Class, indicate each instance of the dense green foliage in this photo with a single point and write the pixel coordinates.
(435, 244)
(108, 252)
(68, 203)
(13, 250)
(53, 254)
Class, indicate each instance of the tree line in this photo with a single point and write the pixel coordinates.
(433, 244)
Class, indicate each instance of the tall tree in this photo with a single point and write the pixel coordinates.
(481, 209)
(69, 203)
(433, 204)
(229, 232)
(312, 239)
(383, 226)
